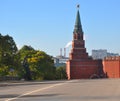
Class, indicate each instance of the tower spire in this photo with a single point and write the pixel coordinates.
(78, 26)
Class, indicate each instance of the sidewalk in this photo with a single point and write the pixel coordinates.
(13, 83)
(17, 83)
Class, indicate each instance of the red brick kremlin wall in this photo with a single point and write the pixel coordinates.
(111, 67)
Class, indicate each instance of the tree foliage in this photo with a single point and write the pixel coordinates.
(41, 65)
(7, 44)
(27, 62)
(61, 72)
(27, 69)
(8, 51)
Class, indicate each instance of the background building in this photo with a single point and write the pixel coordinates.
(102, 53)
(99, 54)
(112, 54)
(61, 59)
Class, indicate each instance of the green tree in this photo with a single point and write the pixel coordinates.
(23, 55)
(7, 45)
(27, 69)
(61, 72)
(41, 64)
(8, 51)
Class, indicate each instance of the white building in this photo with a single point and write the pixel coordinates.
(99, 54)
(60, 61)
(102, 53)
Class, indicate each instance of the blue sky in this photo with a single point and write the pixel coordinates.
(48, 25)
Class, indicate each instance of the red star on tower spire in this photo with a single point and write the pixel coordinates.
(78, 6)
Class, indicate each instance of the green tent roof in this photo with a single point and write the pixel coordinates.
(78, 26)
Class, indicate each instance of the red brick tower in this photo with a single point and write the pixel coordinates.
(80, 65)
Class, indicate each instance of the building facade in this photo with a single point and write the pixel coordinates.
(60, 61)
(80, 65)
(101, 54)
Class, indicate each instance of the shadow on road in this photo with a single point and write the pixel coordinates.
(15, 95)
(30, 83)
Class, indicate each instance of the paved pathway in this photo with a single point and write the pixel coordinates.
(73, 90)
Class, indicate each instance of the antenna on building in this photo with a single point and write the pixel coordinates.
(64, 52)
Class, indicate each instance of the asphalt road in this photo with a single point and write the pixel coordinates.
(73, 90)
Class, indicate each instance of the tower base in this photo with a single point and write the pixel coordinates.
(84, 69)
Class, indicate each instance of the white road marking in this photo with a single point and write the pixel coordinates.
(11, 99)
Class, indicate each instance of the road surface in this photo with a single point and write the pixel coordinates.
(73, 90)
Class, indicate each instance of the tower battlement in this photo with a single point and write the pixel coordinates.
(112, 58)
